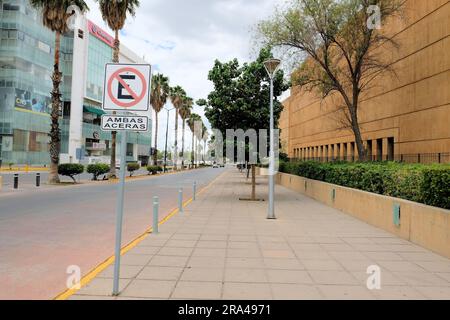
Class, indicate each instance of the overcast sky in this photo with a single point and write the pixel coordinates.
(182, 38)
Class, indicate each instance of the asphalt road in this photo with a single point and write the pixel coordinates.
(44, 231)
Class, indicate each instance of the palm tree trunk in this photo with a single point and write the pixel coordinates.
(182, 145)
(112, 170)
(55, 138)
(193, 150)
(175, 158)
(155, 156)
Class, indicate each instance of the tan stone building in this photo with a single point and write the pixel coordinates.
(406, 116)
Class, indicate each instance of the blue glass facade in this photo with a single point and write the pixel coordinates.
(26, 65)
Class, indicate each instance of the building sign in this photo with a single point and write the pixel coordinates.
(33, 102)
(98, 146)
(100, 34)
(127, 87)
(124, 123)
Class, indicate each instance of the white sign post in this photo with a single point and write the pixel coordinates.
(126, 89)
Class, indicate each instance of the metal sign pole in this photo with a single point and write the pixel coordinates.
(120, 205)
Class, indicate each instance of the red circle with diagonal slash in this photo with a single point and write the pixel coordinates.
(137, 98)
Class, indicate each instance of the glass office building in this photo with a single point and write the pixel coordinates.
(26, 65)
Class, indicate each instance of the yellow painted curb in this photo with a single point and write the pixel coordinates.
(101, 267)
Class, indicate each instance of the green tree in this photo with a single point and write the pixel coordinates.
(185, 112)
(55, 17)
(114, 13)
(241, 96)
(339, 40)
(159, 94)
(177, 96)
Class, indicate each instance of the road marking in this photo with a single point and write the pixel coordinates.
(101, 267)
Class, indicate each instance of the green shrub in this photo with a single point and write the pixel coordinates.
(97, 170)
(70, 170)
(436, 187)
(428, 184)
(154, 169)
(132, 167)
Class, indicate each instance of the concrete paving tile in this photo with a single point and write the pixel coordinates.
(322, 265)
(243, 253)
(208, 252)
(146, 250)
(387, 278)
(181, 243)
(445, 276)
(289, 276)
(312, 255)
(245, 275)
(203, 274)
(212, 244)
(421, 279)
(333, 277)
(242, 238)
(101, 287)
(337, 247)
(153, 242)
(198, 290)
(283, 264)
(398, 293)
(339, 292)
(435, 266)
(173, 251)
(384, 256)
(243, 245)
(131, 259)
(149, 289)
(435, 293)
(126, 272)
(244, 262)
(96, 298)
(168, 261)
(282, 291)
(206, 262)
(186, 236)
(246, 291)
(213, 237)
(160, 273)
(401, 266)
(278, 254)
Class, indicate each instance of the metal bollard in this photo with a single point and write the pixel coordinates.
(38, 179)
(180, 200)
(16, 181)
(194, 191)
(155, 215)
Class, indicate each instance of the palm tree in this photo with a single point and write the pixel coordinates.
(158, 98)
(55, 17)
(177, 95)
(191, 124)
(185, 112)
(114, 13)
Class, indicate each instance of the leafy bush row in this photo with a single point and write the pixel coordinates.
(428, 184)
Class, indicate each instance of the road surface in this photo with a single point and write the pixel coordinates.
(43, 232)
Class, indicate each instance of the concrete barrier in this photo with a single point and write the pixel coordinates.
(423, 225)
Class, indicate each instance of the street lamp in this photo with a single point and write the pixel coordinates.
(271, 66)
(167, 134)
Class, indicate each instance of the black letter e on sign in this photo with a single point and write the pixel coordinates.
(120, 93)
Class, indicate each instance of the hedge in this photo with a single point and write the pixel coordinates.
(70, 170)
(132, 167)
(154, 169)
(97, 170)
(428, 184)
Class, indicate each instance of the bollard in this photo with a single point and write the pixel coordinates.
(155, 215)
(16, 181)
(180, 200)
(38, 179)
(194, 191)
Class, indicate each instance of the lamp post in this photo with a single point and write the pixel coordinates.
(271, 66)
(167, 134)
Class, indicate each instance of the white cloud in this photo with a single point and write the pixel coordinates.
(183, 38)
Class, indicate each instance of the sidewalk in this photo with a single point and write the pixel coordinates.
(223, 248)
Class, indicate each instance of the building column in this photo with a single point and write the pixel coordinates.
(385, 153)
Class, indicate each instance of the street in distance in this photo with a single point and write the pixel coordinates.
(124, 123)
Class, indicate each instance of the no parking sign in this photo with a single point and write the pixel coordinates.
(127, 87)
